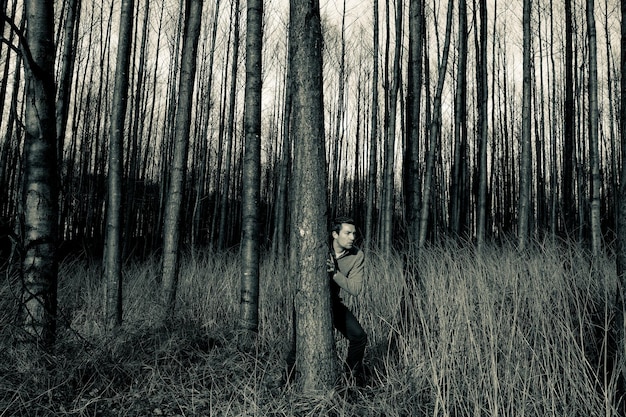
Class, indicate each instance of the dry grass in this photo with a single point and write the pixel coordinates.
(453, 332)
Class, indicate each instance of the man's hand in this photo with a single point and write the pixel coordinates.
(330, 264)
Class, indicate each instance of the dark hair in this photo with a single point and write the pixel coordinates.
(338, 221)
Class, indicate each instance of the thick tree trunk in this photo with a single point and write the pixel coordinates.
(249, 303)
(40, 192)
(316, 357)
(172, 218)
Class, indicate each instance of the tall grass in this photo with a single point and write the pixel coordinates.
(452, 332)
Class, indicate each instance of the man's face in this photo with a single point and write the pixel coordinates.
(345, 238)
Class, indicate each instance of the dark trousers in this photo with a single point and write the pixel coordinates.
(347, 324)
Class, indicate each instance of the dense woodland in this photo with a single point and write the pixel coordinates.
(132, 128)
(468, 61)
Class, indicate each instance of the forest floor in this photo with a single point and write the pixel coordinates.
(176, 372)
(452, 332)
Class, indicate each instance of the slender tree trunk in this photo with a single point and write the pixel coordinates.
(435, 130)
(4, 81)
(458, 189)
(222, 237)
(67, 70)
(620, 312)
(40, 192)
(138, 112)
(282, 202)
(112, 262)
(569, 126)
(315, 348)
(524, 208)
(483, 95)
(390, 141)
(249, 304)
(594, 155)
(203, 187)
(412, 182)
(372, 165)
(172, 218)
(554, 195)
(9, 171)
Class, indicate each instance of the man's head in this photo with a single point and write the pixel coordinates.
(343, 232)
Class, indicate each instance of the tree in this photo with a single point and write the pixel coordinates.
(372, 165)
(249, 304)
(40, 192)
(172, 216)
(481, 71)
(67, 69)
(387, 208)
(435, 130)
(458, 183)
(525, 157)
(569, 126)
(594, 157)
(112, 261)
(412, 183)
(620, 258)
(314, 335)
(230, 135)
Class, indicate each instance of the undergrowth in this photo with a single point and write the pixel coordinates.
(452, 332)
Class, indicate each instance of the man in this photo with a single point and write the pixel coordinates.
(345, 271)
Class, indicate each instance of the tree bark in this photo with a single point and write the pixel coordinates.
(67, 70)
(569, 126)
(113, 262)
(412, 182)
(172, 217)
(222, 237)
(459, 199)
(594, 156)
(387, 208)
(435, 131)
(620, 313)
(249, 303)
(315, 352)
(372, 164)
(481, 223)
(40, 192)
(524, 208)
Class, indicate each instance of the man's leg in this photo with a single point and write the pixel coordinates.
(349, 326)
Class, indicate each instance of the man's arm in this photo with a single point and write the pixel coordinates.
(353, 282)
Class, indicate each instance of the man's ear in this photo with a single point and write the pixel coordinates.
(334, 234)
